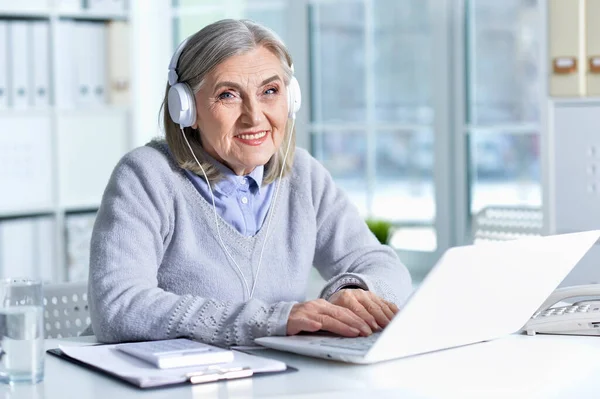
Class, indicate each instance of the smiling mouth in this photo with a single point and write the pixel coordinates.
(252, 136)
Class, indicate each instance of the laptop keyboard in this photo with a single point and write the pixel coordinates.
(361, 344)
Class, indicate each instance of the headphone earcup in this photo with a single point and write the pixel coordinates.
(182, 105)
(294, 97)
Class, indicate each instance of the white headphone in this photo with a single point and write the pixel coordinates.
(181, 101)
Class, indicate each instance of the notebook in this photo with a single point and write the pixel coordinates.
(474, 293)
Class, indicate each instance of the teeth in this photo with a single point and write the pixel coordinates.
(252, 136)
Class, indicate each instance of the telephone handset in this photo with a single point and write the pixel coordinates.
(579, 318)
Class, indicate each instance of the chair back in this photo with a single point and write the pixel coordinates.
(66, 311)
(501, 223)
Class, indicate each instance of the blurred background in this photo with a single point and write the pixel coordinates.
(441, 118)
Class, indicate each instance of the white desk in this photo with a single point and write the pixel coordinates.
(513, 367)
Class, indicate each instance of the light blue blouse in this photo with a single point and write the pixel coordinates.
(242, 201)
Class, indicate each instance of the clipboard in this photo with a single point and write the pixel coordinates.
(187, 375)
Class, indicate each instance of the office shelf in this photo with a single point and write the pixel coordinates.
(25, 14)
(22, 213)
(91, 15)
(56, 159)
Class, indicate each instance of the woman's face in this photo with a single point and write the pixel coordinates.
(242, 110)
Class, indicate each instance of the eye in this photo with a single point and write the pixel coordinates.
(227, 95)
(272, 90)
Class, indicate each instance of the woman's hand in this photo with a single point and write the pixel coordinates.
(320, 314)
(369, 307)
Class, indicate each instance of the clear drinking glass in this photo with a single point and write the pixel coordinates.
(21, 331)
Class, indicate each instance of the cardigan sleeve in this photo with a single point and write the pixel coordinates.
(347, 253)
(128, 244)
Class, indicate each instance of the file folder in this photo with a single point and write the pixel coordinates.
(85, 56)
(98, 63)
(19, 57)
(108, 360)
(566, 69)
(593, 47)
(64, 87)
(40, 55)
(3, 65)
(118, 62)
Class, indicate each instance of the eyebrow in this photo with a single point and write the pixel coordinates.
(238, 87)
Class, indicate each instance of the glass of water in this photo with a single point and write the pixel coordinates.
(21, 331)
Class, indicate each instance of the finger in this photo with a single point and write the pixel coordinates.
(347, 317)
(358, 309)
(392, 306)
(295, 326)
(336, 326)
(389, 313)
(375, 310)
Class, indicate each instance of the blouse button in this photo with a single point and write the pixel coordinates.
(244, 200)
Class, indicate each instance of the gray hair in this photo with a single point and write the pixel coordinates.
(205, 50)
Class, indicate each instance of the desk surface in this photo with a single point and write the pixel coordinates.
(513, 367)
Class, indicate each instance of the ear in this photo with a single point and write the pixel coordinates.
(195, 125)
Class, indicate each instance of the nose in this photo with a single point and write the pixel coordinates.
(252, 113)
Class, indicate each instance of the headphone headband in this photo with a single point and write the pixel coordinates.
(173, 77)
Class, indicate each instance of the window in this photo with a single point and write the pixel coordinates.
(372, 115)
(503, 106)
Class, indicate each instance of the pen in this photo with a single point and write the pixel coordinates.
(217, 374)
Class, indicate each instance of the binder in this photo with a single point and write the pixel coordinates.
(40, 54)
(105, 359)
(118, 63)
(84, 57)
(64, 87)
(3, 64)
(98, 63)
(19, 42)
(593, 47)
(564, 35)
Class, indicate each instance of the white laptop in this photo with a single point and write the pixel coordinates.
(474, 293)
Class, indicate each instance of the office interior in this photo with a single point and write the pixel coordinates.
(453, 121)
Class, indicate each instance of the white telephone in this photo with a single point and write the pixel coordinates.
(579, 318)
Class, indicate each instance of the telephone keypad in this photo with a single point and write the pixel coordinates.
(583, 308)
(586, 308)
(548, 312)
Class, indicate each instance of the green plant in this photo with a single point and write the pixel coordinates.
(380, 228)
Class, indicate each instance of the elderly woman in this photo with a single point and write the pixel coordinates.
(211, 235)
